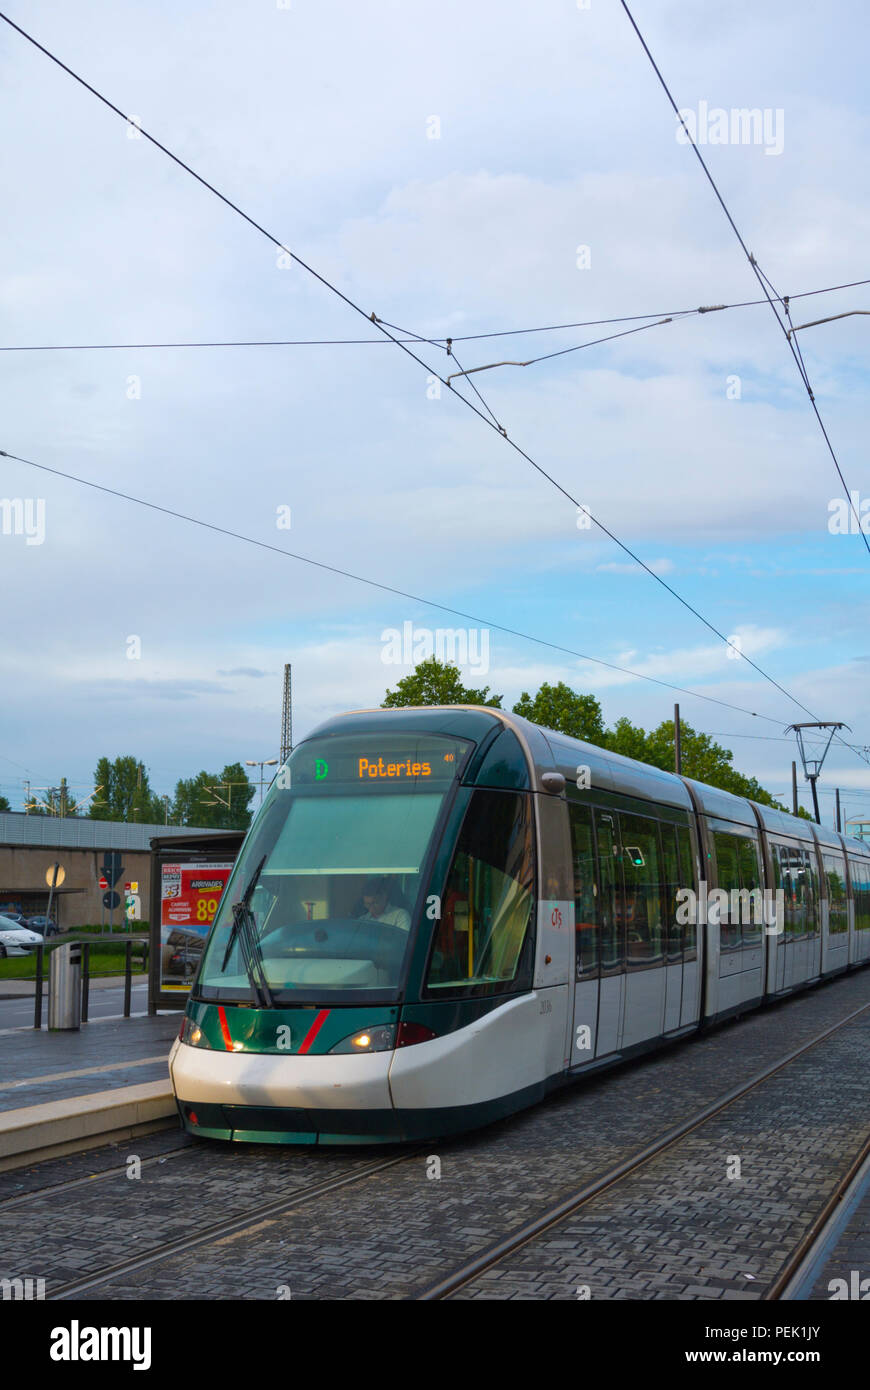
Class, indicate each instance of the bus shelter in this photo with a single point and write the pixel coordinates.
(188, 876)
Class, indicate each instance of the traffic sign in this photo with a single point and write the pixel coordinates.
(55, 876)
(111, 900)
(113, 866)
(104, 882)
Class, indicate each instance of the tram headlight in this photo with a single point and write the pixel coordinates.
(192, 1034)
(379, 1039)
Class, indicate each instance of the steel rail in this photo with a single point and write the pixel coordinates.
(532, 1229)
(234, 1225)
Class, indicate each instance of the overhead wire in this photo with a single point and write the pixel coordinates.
(275, 242)
(759, 274)
(386, 588)
(438, 342)
(763, 281)
(448, 348)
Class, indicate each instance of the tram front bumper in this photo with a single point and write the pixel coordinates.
(269, 1098)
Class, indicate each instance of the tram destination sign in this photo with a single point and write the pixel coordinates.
(402, 760)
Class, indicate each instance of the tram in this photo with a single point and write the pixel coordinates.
(440, 914)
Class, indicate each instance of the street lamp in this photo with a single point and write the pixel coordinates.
(265, 762)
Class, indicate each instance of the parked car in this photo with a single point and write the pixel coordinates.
(16, 940)
(46, 926)
(18, 917)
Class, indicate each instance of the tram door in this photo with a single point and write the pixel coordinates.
(611, 896)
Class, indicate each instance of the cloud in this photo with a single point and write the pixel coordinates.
(663, 566)
(469, 233)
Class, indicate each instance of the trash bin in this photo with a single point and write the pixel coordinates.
(65, 987)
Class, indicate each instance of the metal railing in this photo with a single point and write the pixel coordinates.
(87, 977)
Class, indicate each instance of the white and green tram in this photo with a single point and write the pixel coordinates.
(440, 914)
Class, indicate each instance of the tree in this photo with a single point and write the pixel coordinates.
(435, 682)
(123, 792)
(701, 758)
(4, 804)
(558, 707)
(628, 739)
(214, 802)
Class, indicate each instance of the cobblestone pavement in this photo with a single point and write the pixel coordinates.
(850, 1258)
(391, 1235)
(63, 1236)
(55, 1172)
(687, 1225)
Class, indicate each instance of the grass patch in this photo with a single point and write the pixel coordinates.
(107, 959)
(95, 927)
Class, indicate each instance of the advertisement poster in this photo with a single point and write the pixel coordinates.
(189, 897)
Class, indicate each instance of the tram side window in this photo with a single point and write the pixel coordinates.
(585, 901)
(802, 891)
(835, 884)
(611, 888)
(673, 883)
(687, 880)
(728, 878)
(750, 883)
(489, 898)
(810, 893)
(642, 868)
(860, 874)
(789, 885)
(778, 885)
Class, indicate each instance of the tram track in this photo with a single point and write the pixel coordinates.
(465, 1274)
(222, 1229)
(798, 1275)
(62, 1188)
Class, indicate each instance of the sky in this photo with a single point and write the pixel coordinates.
(456, 170)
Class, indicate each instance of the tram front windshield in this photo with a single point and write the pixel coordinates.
(332, 871)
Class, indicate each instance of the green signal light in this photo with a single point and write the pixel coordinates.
(321, 768)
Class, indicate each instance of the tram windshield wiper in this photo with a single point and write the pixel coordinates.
(244, 926)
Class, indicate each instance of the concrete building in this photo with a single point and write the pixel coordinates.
(30, 846)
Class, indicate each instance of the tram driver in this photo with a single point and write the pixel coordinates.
(376, 900)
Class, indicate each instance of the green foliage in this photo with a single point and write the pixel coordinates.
(558, 707)
(702, 759)
(214, 802)
(435, 682)
(629, 740)
(4, 804)
(123, 792)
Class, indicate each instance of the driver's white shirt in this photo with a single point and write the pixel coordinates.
(393, 917)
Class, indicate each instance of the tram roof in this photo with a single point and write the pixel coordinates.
(548, 750)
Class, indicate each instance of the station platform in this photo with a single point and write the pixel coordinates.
(65, 1091)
